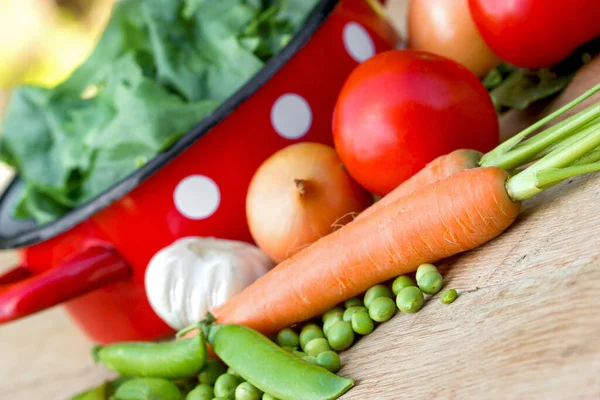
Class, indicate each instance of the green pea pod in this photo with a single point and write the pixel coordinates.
(147, 389)
(170, 360)
(97, 393)
(272, 369)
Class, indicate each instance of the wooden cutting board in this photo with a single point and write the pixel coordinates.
(526, 325)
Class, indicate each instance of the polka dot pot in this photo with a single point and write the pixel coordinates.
(93, 260)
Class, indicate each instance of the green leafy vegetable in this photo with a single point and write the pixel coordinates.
(160, 68)
(512, 87)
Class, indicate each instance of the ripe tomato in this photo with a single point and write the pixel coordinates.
(536, 33)
(403, 108)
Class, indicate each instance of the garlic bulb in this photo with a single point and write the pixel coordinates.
(193, 275)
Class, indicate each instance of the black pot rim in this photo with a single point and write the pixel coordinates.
(38, 234)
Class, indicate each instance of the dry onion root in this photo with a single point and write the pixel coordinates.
(298, 195)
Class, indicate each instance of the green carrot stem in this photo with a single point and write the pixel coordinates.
(524, 185)
(551, 176)
(531, 148)
(488, 158)
(568, 141)
(591, 157)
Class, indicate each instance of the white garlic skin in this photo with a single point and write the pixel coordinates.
(194, 275)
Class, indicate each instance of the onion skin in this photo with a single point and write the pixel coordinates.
(298, 195)
(446, 28)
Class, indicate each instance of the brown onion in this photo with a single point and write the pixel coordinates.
(446, 28)
(298, 195)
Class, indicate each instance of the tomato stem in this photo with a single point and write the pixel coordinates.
(508, 145)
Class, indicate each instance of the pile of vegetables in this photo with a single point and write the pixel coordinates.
(421, 131)
(159, 68)
(183, 370)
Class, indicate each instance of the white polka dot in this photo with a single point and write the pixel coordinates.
(358, 43)
(291, 116)
(197, 197)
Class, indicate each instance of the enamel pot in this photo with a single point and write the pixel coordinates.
(93, 259)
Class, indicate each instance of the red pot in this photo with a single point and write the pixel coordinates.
(95, 257)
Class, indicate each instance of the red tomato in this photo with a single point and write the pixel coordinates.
(403, 108)
(536, 33)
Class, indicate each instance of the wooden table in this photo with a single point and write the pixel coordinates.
(527, 324)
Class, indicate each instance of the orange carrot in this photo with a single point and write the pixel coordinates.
(440, 168)
(451, 216)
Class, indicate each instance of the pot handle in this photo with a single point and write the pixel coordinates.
(22, 294)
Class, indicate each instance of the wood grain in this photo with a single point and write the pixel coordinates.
(526, 324)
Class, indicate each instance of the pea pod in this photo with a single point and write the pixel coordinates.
(270, 368)
(147, 389)
(170, 360)
(97, 393)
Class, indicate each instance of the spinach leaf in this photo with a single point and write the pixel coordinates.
(160, 67)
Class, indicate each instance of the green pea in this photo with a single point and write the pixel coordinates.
(317, 346)
(267, 396)
(201, 392)
(401, 282)
(410, 299)
(423, 269)
(288, 348)
(308, 333)
(225, 385)
(298, 354)
(340, 336)
(147, 388)
(287, 337)
(332, 313)
(362, 323)
(332, 320)
(348, 313)
(310, 359)
(230, 371)
(449, 296)
(382, 309)
(431, 282)
(353, 302)
(329, 360)
(246, 391)
(376, 292)
(211, 371)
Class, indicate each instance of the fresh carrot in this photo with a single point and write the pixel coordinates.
(440, 168)
(522, 151)
(453, 215)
